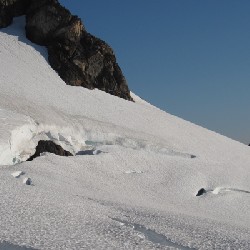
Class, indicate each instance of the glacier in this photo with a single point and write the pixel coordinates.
(136, 190)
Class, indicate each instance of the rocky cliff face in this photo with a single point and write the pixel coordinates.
(79, 58)
(10, 9)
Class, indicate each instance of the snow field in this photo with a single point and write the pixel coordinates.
(134, 176)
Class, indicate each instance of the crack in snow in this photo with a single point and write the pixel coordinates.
(24, 138)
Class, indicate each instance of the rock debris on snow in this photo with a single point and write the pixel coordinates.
(27, 181)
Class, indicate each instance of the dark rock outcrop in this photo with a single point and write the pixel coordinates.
(10, 9)
(45, 19)
(80, 58)
(201, 192)
(50, 147)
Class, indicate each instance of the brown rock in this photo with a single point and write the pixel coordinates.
(80, 58)
(50, 147)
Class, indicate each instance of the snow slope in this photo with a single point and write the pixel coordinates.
(134, 176)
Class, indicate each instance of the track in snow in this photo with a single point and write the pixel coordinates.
(7, 246)
(221, 190)
(151, 235)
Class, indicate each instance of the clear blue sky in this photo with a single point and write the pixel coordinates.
(188, 57)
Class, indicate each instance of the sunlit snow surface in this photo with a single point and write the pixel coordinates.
(133, 181)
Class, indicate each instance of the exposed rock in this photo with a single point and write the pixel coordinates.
(10, 9)
(5, 16)
(50, 147)
(79, 58)
(27, 181)
(201, 192)
(45, 19)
